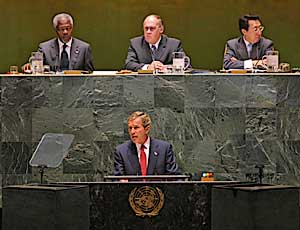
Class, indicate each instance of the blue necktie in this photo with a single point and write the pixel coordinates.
(153, 53)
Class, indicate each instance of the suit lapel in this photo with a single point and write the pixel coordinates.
(161, 47)
(74, 53)
(148, 54)
(133, 158)
(255, 52)
(54, 52)
(242, 50)
(153, 154)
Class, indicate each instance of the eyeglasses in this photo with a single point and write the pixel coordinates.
(258, 28)
(151, 28)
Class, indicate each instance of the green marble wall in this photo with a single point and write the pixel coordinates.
(202, 25)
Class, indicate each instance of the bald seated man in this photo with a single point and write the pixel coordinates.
(152, 50)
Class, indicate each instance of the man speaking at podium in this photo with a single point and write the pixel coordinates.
(143, 155)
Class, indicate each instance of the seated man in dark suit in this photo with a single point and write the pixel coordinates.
(153, 49)
(143, 155)
(246, 51)
(65, 52)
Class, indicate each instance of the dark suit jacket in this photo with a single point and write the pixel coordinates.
(161, 159)
(139, 52)
(237, 48)
(80, 55)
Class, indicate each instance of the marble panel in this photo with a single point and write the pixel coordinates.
(261, 123)
(16, 125)
(1, 185)
(168, 124)
(169, 92)
(47, 92)
(108, 92)
(231, 91)
(81, 123)
(139, 92)
(46, 120)
(261, 152)
(229, 123)
(104, 156)
(229, 152)
(199, 123)
(1, 122)
(200, 155)
(288, 91)
(109, 123)
(16, 92)
(15, 157)
(15, 179)
(290, 163)
(288, 123)
(78, 92)
(1, 91)
(80, 159)
(200, 92)
(261, 92)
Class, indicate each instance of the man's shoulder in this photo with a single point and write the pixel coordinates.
(234, 41)
(124, 145)
(266, 41)
(170, 39)
(80, 42)
(48, 42)
(138, 39)
(160, 142)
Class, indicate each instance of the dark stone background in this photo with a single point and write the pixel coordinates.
(227, 124)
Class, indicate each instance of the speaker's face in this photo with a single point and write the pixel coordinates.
(138, 133)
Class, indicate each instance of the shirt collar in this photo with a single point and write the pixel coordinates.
(156, 44)
(69, 43)
(146, 144)
(246, 42)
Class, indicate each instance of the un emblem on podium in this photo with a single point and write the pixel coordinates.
(146, 201)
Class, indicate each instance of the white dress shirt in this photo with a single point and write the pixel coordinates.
(68, 48)
(146, 149)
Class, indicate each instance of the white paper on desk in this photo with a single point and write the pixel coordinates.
(104, 72)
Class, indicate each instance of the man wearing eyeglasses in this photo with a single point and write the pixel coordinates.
(65, 52)
(247, 51)
(153, 50)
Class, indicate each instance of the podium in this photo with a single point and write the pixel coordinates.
(187, 204)
(255, 207)
(47, 207)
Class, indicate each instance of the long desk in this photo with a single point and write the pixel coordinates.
(225, 123)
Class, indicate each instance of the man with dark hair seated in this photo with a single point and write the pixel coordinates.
(247, 51)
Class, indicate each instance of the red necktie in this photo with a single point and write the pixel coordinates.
(143, 161)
